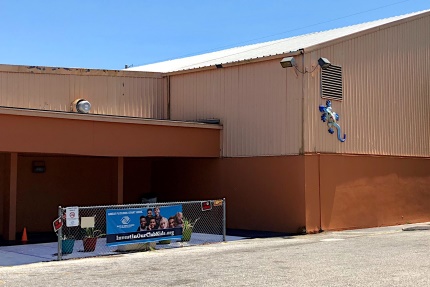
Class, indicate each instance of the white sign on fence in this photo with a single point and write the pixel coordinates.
(88, 222)
(72, 216)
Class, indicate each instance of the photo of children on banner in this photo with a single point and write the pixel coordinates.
(143, 222)
(157, 221)
(179, 219)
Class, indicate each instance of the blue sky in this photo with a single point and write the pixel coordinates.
(108, 34)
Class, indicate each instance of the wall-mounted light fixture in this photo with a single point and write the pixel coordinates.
(324, 63)
(291, 62)
(80, 106)
(288, 62)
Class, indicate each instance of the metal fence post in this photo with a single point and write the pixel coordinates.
(224, 223)
(60, 234)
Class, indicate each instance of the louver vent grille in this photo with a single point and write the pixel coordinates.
(331, 83)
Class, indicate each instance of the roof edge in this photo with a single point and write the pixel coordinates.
(103, 118)
(237, 63)
(418, 15)
(367, 31)
(77, 71)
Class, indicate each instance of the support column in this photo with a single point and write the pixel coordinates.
(9, 223)
(312, 193)
(120, 180)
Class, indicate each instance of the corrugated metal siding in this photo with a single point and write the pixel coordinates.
(257, 115)
(386, 106)
(108, 95)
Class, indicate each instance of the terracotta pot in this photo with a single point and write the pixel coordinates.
(90, 244)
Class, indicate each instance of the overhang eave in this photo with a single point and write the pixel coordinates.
(30, 131)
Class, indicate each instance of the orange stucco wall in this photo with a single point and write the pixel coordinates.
(328, 192)
(94, 137)
(4, 185)
(262, 193)
(369, 191)
(68, 181)
(137, 179)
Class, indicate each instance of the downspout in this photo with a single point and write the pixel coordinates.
(168, 97)
(302, 148)
(319, 190)
(302, 144)
(302, 52)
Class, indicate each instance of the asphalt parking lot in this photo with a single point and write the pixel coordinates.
(385, 256)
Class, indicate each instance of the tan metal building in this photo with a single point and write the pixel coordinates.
(280, 168)
(51, 155)
(271, 156)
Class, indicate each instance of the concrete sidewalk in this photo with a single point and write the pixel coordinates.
(26, 254)
(32, 253)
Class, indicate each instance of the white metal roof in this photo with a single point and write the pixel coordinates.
(277, 47)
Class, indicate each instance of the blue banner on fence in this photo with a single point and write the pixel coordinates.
(139, 225)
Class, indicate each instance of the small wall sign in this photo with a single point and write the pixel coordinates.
(38, 166)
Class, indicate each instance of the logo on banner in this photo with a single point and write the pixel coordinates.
(125, 220)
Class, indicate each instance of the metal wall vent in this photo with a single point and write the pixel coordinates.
(331, 83)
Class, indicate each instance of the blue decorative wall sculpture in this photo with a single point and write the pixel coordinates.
(331, 118)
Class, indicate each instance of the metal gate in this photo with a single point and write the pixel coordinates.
(111, 229)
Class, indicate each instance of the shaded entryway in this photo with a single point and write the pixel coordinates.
(85, 157)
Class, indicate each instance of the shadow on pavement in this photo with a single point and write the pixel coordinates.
(256, 233)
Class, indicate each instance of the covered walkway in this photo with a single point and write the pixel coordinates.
(51, 158)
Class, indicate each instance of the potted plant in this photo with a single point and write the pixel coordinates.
(67, 244)
(90, 238)
(187, 228)
(67, 240)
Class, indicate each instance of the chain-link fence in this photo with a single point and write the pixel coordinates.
(111, 229)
